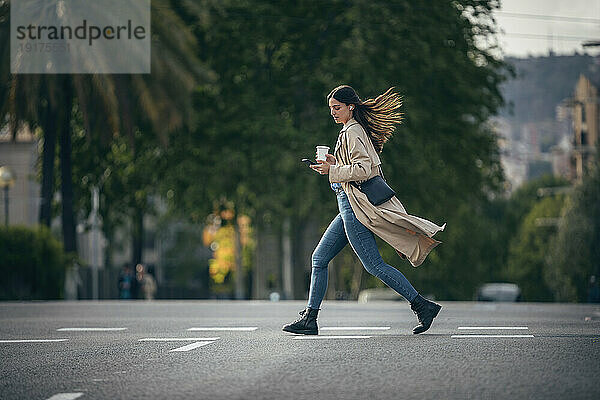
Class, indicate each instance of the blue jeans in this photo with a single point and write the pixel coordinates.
(343, 229)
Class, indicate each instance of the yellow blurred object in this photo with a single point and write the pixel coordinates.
(223, 260)
(222, 240)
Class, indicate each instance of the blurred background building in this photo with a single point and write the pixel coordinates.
(551, 123)
(585, 123)
(21, 157)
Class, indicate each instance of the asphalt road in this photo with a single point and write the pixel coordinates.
(555, 354)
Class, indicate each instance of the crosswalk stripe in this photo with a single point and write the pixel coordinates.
(355, 328)
(191, 346)
(65, 396)
(330, 337)
(182, 339)
(91, 329)
(32, 340)
(493, 328)
(247, 329)
(490, 336)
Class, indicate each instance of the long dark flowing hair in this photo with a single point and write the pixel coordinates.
(378, 116)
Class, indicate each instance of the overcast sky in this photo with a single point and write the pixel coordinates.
(532, 27)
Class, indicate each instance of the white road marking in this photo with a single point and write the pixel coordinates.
(245, 329)
(65, 396)
(330, 337)
(355, 328)
(193, 339)
(493, 327)
(490, 336)
(32, 340)
(191, 346)
(90, 329)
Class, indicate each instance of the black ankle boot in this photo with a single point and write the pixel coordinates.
(306, 324)
(426, 311)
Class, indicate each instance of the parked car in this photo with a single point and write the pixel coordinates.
(498, 292)
(378, 294)
(384, 294)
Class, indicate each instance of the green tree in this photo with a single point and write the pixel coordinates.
(507, 216)
(124, 143)
(528, 253)
(575, 254)
(267, 110)
(109, 106)
(44, 101)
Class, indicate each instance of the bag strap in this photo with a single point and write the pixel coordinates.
(379, 165)
(356, 185)
(381, 172)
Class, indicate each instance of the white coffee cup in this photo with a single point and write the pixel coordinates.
(321, 151)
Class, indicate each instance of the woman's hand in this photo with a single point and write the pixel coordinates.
(323, 166)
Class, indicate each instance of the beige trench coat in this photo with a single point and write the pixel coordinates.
(357, 160)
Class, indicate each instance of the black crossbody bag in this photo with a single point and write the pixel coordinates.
(376, 189)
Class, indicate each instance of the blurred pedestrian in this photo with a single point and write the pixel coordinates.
(148, 285)
(367, 125)
(137, 289)
(125, 282)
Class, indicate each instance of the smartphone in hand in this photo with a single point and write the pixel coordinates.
(308, 162)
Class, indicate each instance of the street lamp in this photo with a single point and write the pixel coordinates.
(7, 180)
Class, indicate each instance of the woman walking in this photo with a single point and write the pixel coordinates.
(367, 125)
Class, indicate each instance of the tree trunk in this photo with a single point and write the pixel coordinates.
(66, 171)
(239, 278)
(48, 155)
(138, 235)
(357, 275)
(287, 262)
(258, 282)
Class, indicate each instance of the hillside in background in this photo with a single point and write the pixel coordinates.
(540, 84)
(529, 126)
